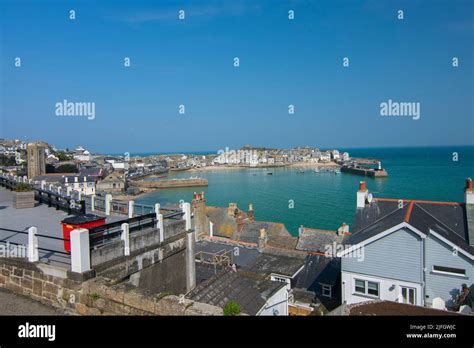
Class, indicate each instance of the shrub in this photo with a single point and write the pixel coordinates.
(231, 308)
(23, 187)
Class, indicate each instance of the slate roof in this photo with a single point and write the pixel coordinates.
(224, 225)
(251, 294)
(242, 257)
(61, 178)
(267, 264)
(318, 269)
(448, 219)
(316, 240)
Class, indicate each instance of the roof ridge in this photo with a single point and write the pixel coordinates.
(409, 210)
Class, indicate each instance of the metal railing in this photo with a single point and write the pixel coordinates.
(3, 240)
(101, 235)
(143, 209)
(53, 199)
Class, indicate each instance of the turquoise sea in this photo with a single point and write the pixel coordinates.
(326, 200)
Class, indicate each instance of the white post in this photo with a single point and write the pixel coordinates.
(93, 203)
(157, 209)
(51, 187)
(211, 229)
(25, 178)
(68, 191)
(160, 226)
(131, 207)
(108, 199)
(43, 184)
(33, 255)
(187, 215)
(80, 253)
(125, 236)
(79, 195)
(59, 190)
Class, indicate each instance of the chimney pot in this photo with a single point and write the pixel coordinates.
(469, 192)
(468, 184)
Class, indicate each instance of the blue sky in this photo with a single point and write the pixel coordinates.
(282, 62)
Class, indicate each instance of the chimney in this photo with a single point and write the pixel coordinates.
(362, 195)
(469, 198)
(469, 192)
(343, 229)
(250, 212)
(262, 240)
(240, 223)
(231, 209)
(200, 221)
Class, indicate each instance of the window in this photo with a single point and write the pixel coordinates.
(373, 288)
(326, 290)
(408, 295)
(366, 287)
(449, 270)
(360, 286)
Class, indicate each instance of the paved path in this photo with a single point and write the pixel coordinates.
(13, 304)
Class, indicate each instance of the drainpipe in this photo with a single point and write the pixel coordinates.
(423, 286)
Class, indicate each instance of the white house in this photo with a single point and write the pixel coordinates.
(83, 184)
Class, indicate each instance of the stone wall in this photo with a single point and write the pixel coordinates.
(97, 296)
(125, 299)
(46, 284)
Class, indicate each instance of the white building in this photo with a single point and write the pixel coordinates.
(81, 154)
(83, 184)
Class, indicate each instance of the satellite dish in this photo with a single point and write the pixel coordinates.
(370, 198)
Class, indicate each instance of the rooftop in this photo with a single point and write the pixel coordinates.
(266, 264)
(448, 219)
(47, 220)
(251, 294)
(315, 240)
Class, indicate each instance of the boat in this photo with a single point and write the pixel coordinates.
(269, 173)
(316, 170)
(337, 171)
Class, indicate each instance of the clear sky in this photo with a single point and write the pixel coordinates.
(282, 62)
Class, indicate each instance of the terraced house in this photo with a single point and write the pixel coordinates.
(416, 252)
